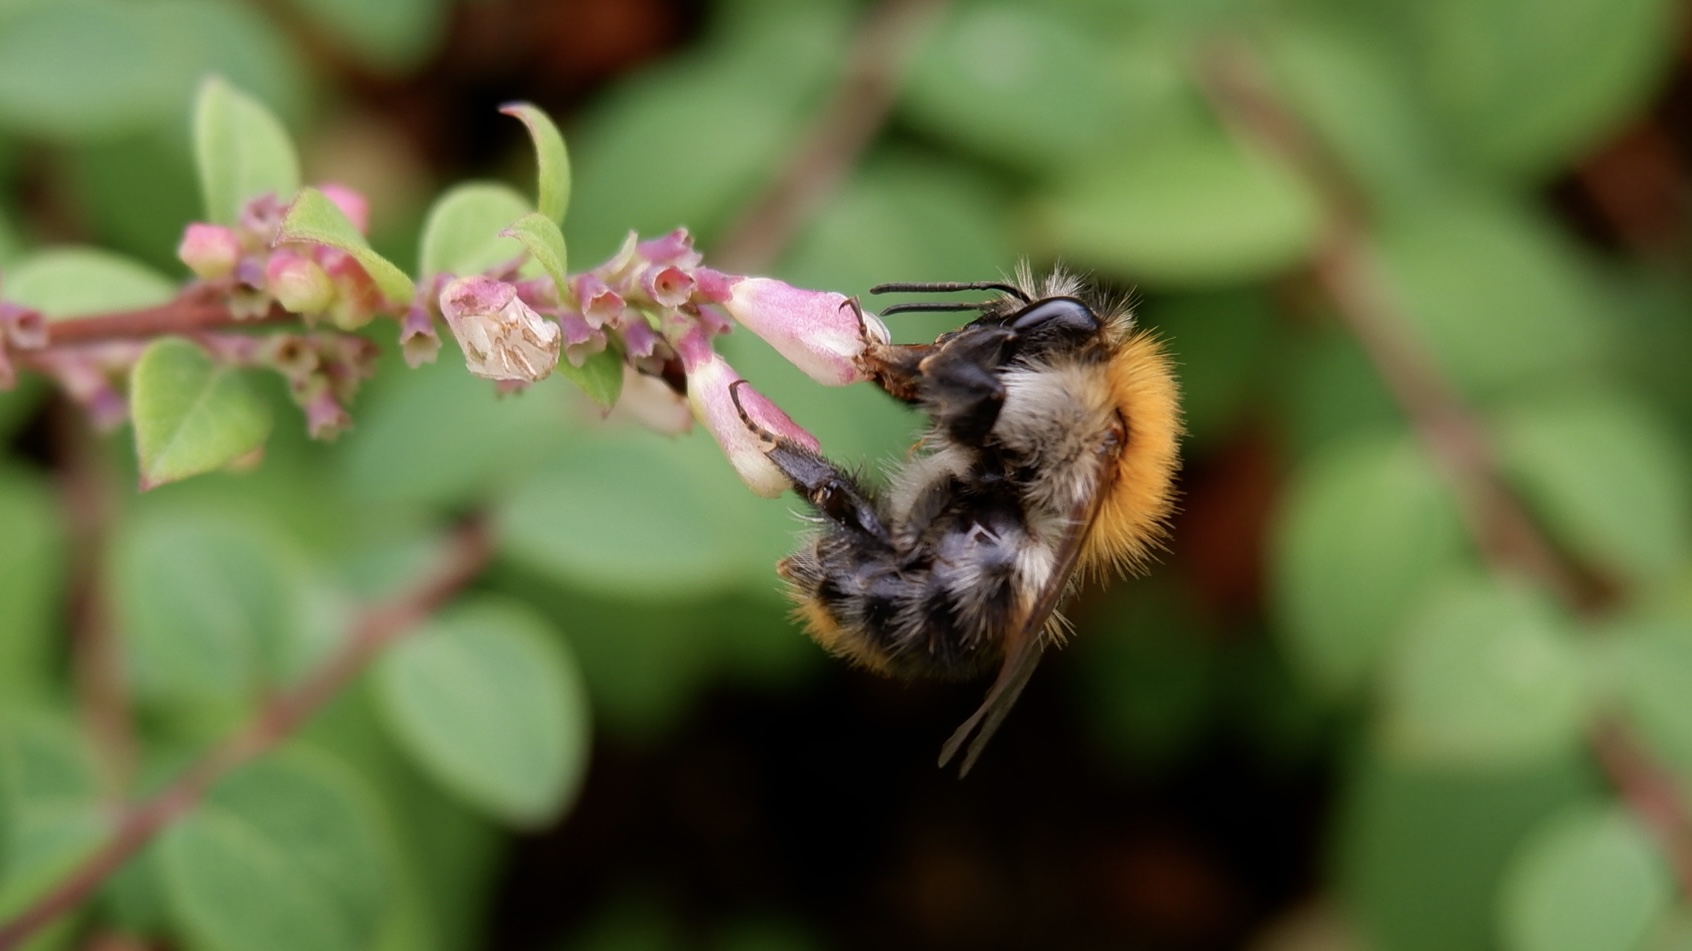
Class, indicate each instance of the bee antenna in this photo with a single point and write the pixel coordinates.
(929, 307)
(948, 287)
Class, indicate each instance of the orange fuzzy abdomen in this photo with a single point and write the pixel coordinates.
(1140, 495)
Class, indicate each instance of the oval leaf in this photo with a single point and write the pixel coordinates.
(314, 219)
(51, 810)
(241, 150)
(31, 588)
(191, 415)
(545, 243)
(1608, 476)
(1588, 879)
(209, 605)
(1656, 679)
(1185, 209)
(1366, 526)
(600, 376)
(1489, 674)
(281, 855)
(551, 158)
(490, 704)
(70, 282)
(462, 234)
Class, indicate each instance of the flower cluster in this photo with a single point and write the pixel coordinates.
(311, 280)
(658, 307)
(320, 284)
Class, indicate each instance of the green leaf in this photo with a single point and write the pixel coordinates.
(1487, 674)
(1588, 879)
(51, 813)
(396, 460)
(1496, 293)
(1190, 208)
(282, 854)
(32, 544)
(1366, 525)
(69, 282)
(242, 151)
(1421, 852)
(1655, 679)
(80, 69)
(1035, 87)
(552, 160)
(314, 219)
(1609, 477)
(490, 704)
(627, 513)
(1349, 86)
(600, 376)
(208, 604)
(1523, 87)
(545, 243)
(191, 414)
(463, 232)
(390, 36)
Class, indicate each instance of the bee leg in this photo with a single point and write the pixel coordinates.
(831, 491)
(960, 385)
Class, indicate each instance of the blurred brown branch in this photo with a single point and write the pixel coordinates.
(465, 553)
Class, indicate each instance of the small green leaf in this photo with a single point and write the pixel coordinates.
(69, 282)
(540, 235)
(242, 151)
(647, 518)
(1189, 208)
(314, 219)
(463, 232)
(1421, 851)
(551, 158)
(1609, 477)
(1523, 87)
(32, 541)
(1366, 526)
(191, 414)
(1588, 879)
(208, 605)
(1034, 86)
(1655, 680)
(51, 813)
(1498, 294)
(282, 854)
(600, 376)
(85, 69)
(487, 700)
(1488, 674)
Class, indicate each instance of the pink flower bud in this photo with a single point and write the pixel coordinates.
(325, 418)
(298, 283)
(820, 332)
(638, 336)
(357, 298)
(352, 204)
(717, 403)
(581, 339)
(502, 337)
(210, 251)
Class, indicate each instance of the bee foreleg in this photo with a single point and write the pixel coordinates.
(830, 490)
(960, 385)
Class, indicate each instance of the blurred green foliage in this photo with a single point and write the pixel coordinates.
(1453, 708)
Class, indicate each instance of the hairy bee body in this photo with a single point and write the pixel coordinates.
(1051, 452)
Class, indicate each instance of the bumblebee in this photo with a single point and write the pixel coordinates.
(1050, 455)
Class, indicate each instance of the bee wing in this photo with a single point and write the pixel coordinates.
(1025, 645)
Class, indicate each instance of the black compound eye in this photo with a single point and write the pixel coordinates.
(1056, 317)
